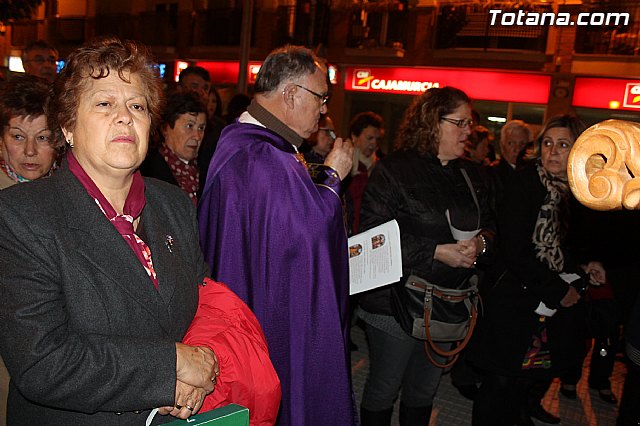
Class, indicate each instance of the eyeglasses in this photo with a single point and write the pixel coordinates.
(460, 122)
(323, 98)
(329, 132)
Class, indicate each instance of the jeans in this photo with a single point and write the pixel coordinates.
(399, 361)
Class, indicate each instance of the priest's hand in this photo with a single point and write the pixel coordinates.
(341, 157)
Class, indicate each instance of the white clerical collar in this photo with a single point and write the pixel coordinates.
(245, 117)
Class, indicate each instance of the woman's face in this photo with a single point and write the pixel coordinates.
(368, 140)
(185, 137)
(26, 146)
(111, 134)
(556, 145)
(452, 137)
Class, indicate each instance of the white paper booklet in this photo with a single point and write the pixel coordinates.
(459, 234)
(375, 258)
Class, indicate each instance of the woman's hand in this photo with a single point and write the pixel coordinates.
(459, 255)
(596, 272)
(571, 298)
(196, 366)
(188, 401)
(474, 246)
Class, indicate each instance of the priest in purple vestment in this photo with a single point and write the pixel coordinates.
(271, 228)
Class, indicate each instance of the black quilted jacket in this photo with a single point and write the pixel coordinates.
(416, 191)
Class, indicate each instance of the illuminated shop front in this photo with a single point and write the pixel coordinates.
(498, 96)
(596, 99)
(224, 74)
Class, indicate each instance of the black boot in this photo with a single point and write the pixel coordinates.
(537, 412)
(414, 416)
(375, 418)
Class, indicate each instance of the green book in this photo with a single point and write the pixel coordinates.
(229, 415)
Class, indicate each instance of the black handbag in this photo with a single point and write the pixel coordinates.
(437, 314)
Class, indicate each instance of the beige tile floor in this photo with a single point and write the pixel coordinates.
(451, 409)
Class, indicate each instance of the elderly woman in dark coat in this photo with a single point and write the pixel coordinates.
(99, 267)
(175, 160)
(26, 152)
(519, 340)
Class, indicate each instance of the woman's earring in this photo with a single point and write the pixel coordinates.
(70, 142)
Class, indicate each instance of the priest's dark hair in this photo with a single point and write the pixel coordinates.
(285, 63)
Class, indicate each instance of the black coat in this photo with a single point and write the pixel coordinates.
(83, 331)
(520, 283)
(499, 174)
(416, 191)
(156, 167)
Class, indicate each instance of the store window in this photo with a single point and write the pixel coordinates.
(390, 107)
(592, 116)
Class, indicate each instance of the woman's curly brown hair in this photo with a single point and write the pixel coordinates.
(420, 128)
(96, 60)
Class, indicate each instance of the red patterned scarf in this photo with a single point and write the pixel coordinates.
(186, 174)
(133, 206)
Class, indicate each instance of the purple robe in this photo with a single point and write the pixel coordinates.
(278, 240)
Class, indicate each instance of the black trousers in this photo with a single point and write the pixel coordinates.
(501, 400)
(629, 413)
(603, 327)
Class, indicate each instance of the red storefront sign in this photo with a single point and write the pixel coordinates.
(226, 72)
(607, 93)
(481, 85)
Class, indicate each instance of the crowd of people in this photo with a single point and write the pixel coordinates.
(161, 258)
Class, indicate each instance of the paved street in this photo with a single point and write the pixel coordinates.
(451, 409)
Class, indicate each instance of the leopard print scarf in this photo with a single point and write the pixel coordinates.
(550, 227)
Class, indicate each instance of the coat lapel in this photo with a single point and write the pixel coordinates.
(161, 241)
(99, 243)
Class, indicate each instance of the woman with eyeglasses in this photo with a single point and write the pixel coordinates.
(527, 334)
(421, 184)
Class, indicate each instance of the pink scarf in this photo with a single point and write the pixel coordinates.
(133, 206)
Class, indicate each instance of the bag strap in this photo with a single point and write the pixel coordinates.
(430, 345)
(473, 194)
(436, 363)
